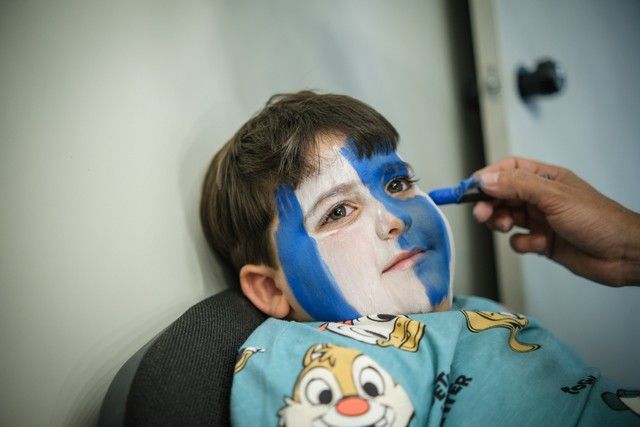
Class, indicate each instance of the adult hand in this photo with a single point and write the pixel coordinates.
(567, 220)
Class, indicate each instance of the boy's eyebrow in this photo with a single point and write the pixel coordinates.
(398, 165)
(338, 189)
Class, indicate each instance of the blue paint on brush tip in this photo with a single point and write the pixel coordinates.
(448, 195)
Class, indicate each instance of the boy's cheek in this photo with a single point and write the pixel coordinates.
(352, 246)
(345, 251)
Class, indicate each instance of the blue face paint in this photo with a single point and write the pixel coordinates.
(309, 278)
(444, 196)
(424, 226)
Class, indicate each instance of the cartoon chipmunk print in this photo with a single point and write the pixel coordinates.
(384, 330)
(243, 357)
(478, 321)
(340, 386)
(623, 400)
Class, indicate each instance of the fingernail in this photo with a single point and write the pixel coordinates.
(539, 244)
(489, 179)
(476, 211)
(505, 224)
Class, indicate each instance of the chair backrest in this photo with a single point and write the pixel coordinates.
(183, 376)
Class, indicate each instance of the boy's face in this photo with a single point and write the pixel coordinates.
(359, 238)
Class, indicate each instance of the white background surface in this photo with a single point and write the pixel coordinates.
(109, 114)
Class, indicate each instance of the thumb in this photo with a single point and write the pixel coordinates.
(516, 184)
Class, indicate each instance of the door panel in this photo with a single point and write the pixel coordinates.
(591, 127)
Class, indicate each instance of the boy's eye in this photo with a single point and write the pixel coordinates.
(337, 212)
(398, 185)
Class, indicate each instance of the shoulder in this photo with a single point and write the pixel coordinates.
(272, 330)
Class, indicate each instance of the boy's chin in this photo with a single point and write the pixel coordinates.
(445, 305)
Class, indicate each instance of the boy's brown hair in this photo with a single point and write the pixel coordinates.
(274, 148)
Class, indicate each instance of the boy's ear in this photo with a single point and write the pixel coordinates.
(260, 284)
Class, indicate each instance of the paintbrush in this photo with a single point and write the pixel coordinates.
(467, 191)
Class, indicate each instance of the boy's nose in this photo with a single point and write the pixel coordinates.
(388, 226)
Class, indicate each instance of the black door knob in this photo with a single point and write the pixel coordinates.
(548, 78)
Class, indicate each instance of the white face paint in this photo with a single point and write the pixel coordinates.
(357, 238)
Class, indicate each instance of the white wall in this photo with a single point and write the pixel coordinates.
(109, 113)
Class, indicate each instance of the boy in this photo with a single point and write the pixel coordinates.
(310, 203)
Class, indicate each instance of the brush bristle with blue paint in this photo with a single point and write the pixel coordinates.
(466, 191)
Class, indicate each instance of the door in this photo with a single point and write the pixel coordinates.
(591, 127)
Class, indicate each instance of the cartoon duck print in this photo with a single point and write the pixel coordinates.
(243, 356)
(623, 400)
(341, 387)
(478, 321)
(384, 330)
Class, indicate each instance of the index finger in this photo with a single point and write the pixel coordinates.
(528, 165)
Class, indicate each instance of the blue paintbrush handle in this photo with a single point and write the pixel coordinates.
(467, 191)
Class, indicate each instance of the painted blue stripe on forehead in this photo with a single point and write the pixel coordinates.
(424, 226)
(308, 276)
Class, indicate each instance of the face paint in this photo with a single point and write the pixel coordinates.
(307, 275)
(425, 225)
(349, 247)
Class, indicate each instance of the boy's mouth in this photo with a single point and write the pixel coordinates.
(404, 260)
